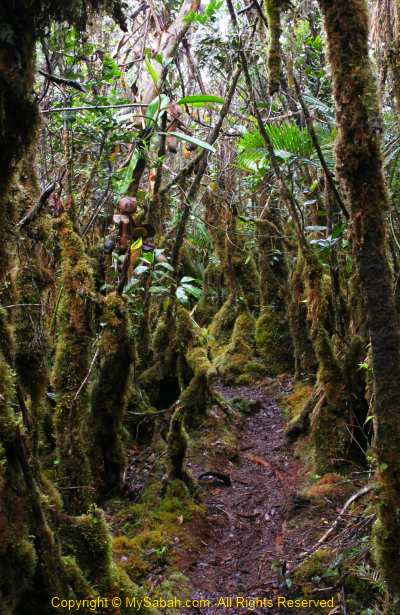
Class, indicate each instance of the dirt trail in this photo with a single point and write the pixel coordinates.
(243, 537)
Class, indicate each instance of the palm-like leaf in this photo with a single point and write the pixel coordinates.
(290, 143)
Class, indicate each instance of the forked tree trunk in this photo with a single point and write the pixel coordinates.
(360, 172)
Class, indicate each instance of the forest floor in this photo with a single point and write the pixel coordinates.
(244, 545)
(259, 513)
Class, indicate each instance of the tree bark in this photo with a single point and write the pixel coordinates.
(360, 171)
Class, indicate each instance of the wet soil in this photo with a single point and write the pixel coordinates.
(243, 549)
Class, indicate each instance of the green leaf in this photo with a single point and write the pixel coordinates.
(140, 269)
(315, 229)
(192, 290)
(156, 108)
(158, 290)
(181, 295)
(133, 282)
(187, 278)
(199, 99)
(281, 153)
(199, 142)
(152, 71)
(147, 257)
(165, 266)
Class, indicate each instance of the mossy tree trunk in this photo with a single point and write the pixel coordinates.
(109, 396)
(360, 171)
(304, 356)
(72, 364)
(273, 10)
(273, 334)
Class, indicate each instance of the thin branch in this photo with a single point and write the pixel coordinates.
(62, 81)
(59, 109)
(315, 141)
(286, 193)
(364, 490)
(31, 215)
(84, 381)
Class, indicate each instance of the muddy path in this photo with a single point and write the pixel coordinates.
(242, 541)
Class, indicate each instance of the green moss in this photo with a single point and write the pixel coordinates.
(79, 584)
(177, 444)
(274, 342)
(232, 360)
(71, 366)
(273, 12)
(210, 299)
(222, 324)
(331, 486)
(314, 568)
(245, 272)
(297, 399)
(147, 531)
(109, 396)
(7, 390)
(245, 406)
(195, 369)
(188, 264)
(88, 541)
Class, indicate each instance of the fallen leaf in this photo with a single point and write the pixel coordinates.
(279, 543)
(259, 461)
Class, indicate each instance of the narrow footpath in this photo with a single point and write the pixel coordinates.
(243, 551)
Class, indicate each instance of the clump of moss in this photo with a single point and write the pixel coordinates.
(70, 369)
(245, 272)
(299, 406)
(195, 368)
(210, 300)
(148, 530)
(222, 324)
(177, 444)
(232, 360)
(274, 342)
(109, 395)
(245, 406)
(315, 568)
(331, 486)
(297, 399)
(88, 540)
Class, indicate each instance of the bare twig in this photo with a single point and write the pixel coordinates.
(355, 496)
(31, 215)
(86, 378)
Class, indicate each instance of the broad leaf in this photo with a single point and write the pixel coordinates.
(200, 99)
(199, 142)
